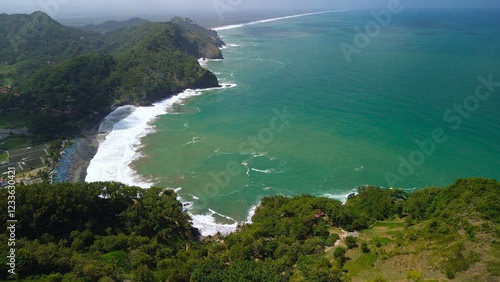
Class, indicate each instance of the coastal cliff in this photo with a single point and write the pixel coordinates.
(198, 41)
(68, 75)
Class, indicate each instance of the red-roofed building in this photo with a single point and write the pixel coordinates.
(320, 215)
(5, 89)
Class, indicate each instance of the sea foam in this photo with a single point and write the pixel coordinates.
(274, 19)
(125, 128)
(207, 225)
(340, 197)
(120, 142)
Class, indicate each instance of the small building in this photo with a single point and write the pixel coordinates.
(320, 215)
(5, 89)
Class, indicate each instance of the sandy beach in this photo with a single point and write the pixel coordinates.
(85, 152)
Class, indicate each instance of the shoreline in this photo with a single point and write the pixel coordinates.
(92, 137)
(237, 25)
(89, 138)
(85, 152)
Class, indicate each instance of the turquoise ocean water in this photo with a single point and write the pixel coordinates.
(301, 119)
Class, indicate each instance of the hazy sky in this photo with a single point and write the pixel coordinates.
(67, 7)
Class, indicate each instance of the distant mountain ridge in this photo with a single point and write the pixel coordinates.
(140, 64)
(113, 25)
(37, 38)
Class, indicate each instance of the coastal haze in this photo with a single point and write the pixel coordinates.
(210, 13)
(134, 7)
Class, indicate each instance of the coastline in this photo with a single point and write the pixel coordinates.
(92, 137)
(110, 160)
(232, 26)
(89, 139)
(84, 154)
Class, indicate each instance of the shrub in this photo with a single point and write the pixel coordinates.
(339, 253)
(351, 242)
(364, 247)
(332, 239)
(415, 276)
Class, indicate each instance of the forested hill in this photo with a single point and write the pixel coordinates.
(37, 38)
(111, 232)
(31, 40)
(44, 61)
(200, 42)
(113, 25)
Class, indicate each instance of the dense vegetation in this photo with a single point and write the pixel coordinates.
(158, 65)
(32, 41)
(111, 232)
(67, 75)
(113, 25)
(67, 95)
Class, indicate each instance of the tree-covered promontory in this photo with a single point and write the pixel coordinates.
(68, 75)
(112, 232)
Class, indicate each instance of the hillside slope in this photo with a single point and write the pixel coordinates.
(112, 232)
(150, 62)
(112, 25)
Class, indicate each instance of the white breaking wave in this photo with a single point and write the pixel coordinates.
(116, 116)
(208, 226)
(195, 140)
(257, 155)
(340, 197)
(251, 212)
(245, 164)
(126, 126)
(120, 147)
(204, 61)
(361, 168)
(228, 45)
(267, 171)
(274, 19)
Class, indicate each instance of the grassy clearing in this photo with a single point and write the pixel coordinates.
(14, 120)
(3, 156)
(8, 80)
(363, 262)
(7, 69)
(385, 232)
(15, 142)
(381, 241)
(389, 224)
(395, 253)
(7, 73)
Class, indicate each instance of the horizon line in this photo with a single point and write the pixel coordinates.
(226, 27)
